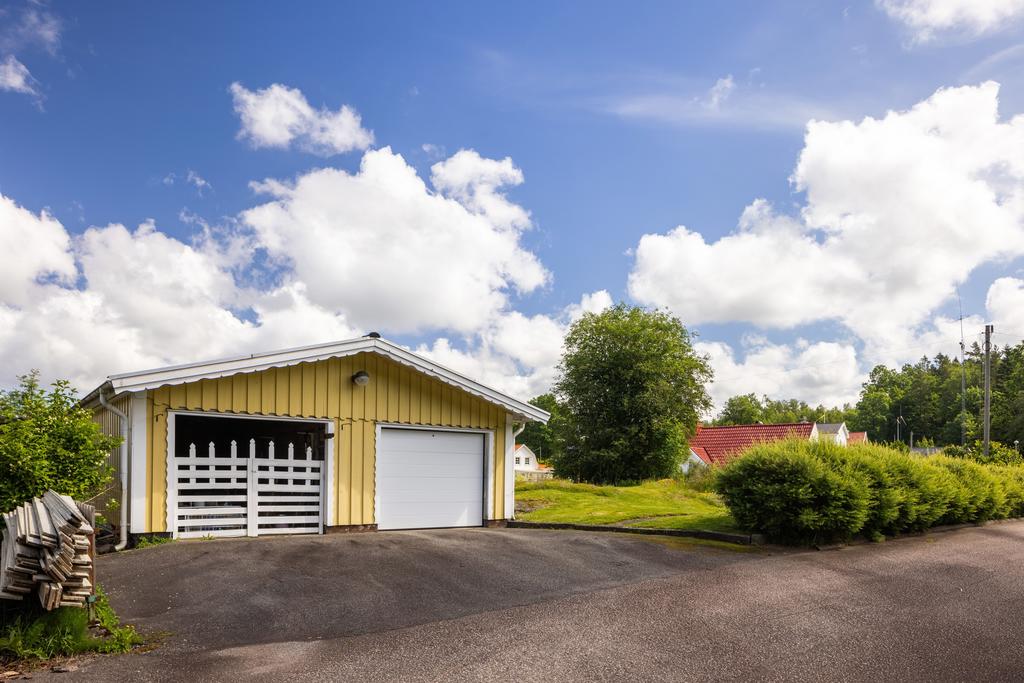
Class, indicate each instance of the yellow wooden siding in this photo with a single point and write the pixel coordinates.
(110, 424)
(324, 390)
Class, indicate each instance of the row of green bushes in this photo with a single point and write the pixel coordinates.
(998, 454)
(803, 492)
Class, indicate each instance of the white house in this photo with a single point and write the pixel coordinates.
(525, 459)
(835, 432)
(526, 466)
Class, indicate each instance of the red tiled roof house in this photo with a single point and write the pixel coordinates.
(716, 445)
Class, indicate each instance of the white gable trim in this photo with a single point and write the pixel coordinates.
(193, 372)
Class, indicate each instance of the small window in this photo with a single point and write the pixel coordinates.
(517, 461)
(527, 461)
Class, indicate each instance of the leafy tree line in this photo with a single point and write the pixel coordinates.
(749, 409)
(926, 394)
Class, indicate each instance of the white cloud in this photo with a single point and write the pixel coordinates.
(329, 256)
(34, 247)
(941, 335)
(35, 28)
(15, 77)
(720, 92)
(433, 151)
(197, 181)
(1005, 304)
(516, 353)
(714, 282)
(898, 211)
(595, 302)
(927, 19)
(381, 248)
(1001, 66)
(820, 373)
(725, 103)
(477, 184)
(191, 178)
(278, 116)
(145, 300)
(135, 271)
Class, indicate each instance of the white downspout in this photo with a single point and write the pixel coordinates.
(126, 435)
(517, 433)
(511, 514)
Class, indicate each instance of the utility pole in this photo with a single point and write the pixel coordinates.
(988, 385)
(963, 375)
(963, 393)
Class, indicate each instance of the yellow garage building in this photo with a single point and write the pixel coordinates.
(357, 434)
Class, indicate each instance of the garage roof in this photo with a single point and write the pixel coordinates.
(255, 362)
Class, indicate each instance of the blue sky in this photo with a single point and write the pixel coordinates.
(624, 121)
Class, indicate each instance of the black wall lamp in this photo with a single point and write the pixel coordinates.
(361, 378)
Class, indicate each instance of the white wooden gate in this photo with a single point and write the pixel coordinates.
(262, 490)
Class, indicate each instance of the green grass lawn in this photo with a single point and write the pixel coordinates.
(665, 504)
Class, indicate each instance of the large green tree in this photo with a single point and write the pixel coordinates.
(48, 442)
(544, 439)
(632, 388)
(744, 409)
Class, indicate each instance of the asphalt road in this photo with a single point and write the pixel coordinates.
(529, 605)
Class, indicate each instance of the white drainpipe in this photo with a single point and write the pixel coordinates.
(126, 432)
(512, 514)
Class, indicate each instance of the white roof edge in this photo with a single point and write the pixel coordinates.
(192, 372)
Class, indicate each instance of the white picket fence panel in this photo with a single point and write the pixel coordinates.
(248, 495)
(288, 492)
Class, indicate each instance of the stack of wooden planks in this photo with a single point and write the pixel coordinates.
(47, 549)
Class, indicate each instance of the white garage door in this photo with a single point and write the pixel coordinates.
(428, 479)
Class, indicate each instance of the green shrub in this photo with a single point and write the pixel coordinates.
(784, 491)
(45, 635)
(699, 478)
(998, 454)
(27, 632)
(48, 442)
(801, 492)
(884, 497)
(983, 496)
(151, 541)
(925, 491)
(118, 638)
(1012, 479)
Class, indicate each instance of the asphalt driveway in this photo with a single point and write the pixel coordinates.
(520, 604)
